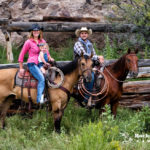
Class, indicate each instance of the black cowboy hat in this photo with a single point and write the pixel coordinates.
(35, 27)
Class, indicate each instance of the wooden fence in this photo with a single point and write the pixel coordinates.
(136, 93)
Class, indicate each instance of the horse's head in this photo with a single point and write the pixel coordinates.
(132, 63)
(85, 67)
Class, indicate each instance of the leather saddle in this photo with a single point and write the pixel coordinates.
(26, 80)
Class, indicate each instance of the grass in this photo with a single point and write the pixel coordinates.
(80, 130)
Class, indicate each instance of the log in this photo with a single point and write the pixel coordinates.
(4, 21)
(16, 65)
(136, 94)
(137, 87)
(72, 26)
(143, 64)
(68, 19)
(135, 101)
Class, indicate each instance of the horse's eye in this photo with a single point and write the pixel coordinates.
(82, 64)
(128, 60)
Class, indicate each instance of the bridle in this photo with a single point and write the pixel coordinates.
(121, 81)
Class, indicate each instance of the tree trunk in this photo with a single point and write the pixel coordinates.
(10, 57)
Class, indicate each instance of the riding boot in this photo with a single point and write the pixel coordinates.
(100, 76)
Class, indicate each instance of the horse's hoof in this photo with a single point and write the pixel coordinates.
(58, 131)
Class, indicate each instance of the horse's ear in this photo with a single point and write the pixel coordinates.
(81, 53)
(136, 50)
(129, 50)
(91, 55)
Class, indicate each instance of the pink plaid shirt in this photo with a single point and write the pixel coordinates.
(30, 47)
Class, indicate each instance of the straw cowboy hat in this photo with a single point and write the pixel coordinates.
(83, 29)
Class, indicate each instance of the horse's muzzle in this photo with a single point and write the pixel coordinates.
(134, 74)
(88, 78)
(87, 74)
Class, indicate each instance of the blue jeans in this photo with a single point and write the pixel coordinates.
(36, 72)
(89, 87)
(41, 63)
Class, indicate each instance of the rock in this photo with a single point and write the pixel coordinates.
(36, 10)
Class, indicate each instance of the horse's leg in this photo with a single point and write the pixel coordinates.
(4, 108)
(114, 106)
(105, 102)
(57, 119)
(57, 111)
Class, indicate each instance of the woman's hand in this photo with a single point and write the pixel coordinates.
(47, 64)
(21, 72)
(51, 59)
(101, 59)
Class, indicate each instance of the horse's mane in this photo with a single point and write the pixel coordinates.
(116, 66)
(70, 67)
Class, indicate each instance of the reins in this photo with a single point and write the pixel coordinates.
(121, 81)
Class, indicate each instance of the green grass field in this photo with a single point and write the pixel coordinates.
(80, 130)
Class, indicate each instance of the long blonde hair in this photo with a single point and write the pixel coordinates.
(40, 35)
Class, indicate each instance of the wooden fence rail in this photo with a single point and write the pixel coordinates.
(11, 26)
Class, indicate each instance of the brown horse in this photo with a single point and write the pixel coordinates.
(115, 74)
(58, 97)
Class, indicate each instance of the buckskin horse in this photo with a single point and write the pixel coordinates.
(58, 97)
(111, 84)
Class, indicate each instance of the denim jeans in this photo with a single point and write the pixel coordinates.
(41, 63)
(36, 72)
(89, 87)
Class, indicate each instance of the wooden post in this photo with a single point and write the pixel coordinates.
(10, 57)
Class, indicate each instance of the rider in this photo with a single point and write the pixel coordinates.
(85, 46)
(31, 47)
(44, 58)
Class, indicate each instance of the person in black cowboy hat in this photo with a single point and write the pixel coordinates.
(31, 47)
(85, 46)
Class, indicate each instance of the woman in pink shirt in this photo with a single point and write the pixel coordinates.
(31, 47)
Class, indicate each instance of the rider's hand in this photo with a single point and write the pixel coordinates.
(101, 59)
(52, 59)
(47, 64)
(21, 71)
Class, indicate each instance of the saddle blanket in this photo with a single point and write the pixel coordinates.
(27, 82)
